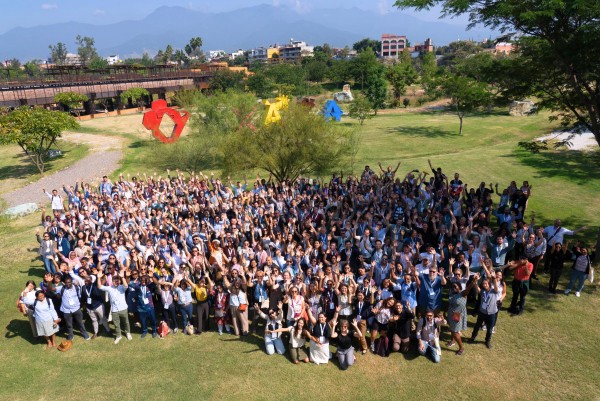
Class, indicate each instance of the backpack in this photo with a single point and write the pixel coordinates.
(163, 329)
(201, 294)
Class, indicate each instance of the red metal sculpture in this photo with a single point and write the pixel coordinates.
(153, 118)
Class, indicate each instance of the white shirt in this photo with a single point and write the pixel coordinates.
(559, 237)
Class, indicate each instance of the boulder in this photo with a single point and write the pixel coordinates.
(521, 108)
(21, 210)
(343, 97)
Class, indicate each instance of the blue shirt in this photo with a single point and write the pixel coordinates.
(70, 298)
(116, 295)
(430, 295)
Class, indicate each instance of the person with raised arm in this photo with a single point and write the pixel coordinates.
(118, 303)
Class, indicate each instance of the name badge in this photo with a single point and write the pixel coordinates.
(431, 337)
(71, 302)
(322, 340)
(60, 249)
(331, 305)
(145, 301)
(358, 318)
(166, 306)
(89, 301)
(431, 292)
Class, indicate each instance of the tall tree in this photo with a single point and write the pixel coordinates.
(136, 95)
(58, 53)
(558, 56)
(466, 95)
(361, 109)
(401, 75)
(300, 143)
(193, 47)
(71, 101)
(35, 130)
(86, 49)
(366, 43)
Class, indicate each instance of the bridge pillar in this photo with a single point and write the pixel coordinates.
(119, 103)
(90, 104)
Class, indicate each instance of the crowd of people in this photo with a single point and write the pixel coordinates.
(375, 262)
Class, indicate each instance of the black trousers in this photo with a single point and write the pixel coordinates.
(554, 276)
(203, 321)
(78, 317)
(490, 322)
(520, 289)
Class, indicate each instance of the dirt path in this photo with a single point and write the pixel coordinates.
(105, 154)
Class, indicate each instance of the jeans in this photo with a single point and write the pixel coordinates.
(49, 265)
(144, 316)
(78, 317)
(186, 313)
(274, 344)
(490, 322)
(121, 317)
(431, 351)
(576, 276)
(345, 357)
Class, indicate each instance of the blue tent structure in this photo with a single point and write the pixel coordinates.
(332, 111)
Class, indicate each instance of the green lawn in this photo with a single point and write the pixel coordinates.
(16, 170)
(550, 352)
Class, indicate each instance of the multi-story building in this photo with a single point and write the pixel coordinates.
(112, 60)
(426, 47)
(295, 50)
(264, 54)
(503, 48)
(392, 45)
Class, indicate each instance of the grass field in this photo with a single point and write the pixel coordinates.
(16, 170)
(550, 352)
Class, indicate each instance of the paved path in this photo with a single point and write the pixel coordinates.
(104, 156)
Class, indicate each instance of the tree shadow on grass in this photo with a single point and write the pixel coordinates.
(572, 165)
(22, 167)
(420, 132)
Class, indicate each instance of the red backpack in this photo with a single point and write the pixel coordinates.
(163, 329)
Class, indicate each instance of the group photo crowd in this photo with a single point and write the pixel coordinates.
(323, 270)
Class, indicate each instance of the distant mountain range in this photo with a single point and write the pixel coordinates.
(240, 29)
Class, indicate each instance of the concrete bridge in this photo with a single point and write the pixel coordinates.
(107, 84)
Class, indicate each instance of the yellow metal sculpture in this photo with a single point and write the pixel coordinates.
(273, 115)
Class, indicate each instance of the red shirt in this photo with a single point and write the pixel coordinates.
(523, 272)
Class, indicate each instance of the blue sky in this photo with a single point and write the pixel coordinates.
(27, 13)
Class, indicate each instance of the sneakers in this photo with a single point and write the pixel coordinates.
(153, 335)
(175, 330)
(373, 347)
(489, 345)
(220, 333)
(117, 340)
(484, 327)
(567, 291)
(144, 335)
(128, 335)
(577, 294)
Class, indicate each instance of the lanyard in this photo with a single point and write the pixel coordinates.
(360, 306)
(322, 327)
(89, 293)
(144, 291)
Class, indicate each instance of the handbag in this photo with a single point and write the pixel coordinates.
(455, 317)
(243, 307)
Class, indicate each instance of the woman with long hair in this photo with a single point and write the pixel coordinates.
(298, 334)
(457, 313)
(382, 312)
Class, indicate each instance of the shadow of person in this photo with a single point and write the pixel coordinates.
(20, 328)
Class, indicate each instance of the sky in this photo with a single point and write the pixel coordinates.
(28, 13)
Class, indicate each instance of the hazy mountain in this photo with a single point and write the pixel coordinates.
(243, 28)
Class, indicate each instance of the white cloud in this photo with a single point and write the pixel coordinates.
(49, 6)
(99, 12)
(383, 7)
(300, 6)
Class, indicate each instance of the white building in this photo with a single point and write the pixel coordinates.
(112, 60)
(213, 54)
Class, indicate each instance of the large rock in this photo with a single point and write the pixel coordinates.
(521, 108)
(21, 210)
(344, 96)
